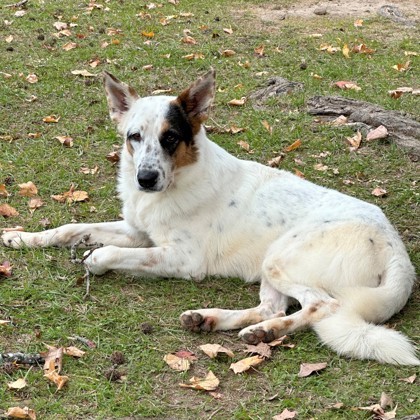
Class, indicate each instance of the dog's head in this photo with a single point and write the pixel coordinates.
(159, 131)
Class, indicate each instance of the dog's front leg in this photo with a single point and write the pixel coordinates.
(163, 261)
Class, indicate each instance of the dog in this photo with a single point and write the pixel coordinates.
(192, 210)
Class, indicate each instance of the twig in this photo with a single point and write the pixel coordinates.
(83, 340)
(18, 4)
(73, 258)
(215, 412)
(22, 358)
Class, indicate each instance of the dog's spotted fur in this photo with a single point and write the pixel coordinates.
(192, 210)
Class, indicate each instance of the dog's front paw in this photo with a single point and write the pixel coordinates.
(97, 261)
(194, 321)
(13, 239)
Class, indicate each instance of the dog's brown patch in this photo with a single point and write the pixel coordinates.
(129, 147)
(185, 155)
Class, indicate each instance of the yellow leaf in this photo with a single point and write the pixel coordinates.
(209, 383)
(146, 34)
(83, 73)
(177, 363)
(346, 51)
(51, 119)
(245, 364)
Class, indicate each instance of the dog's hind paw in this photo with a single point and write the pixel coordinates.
(194, 321)
(257, 335)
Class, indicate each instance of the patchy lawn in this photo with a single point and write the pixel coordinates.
(52, 56)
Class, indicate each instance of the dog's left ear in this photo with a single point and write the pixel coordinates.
(197, 99)
(119, 95)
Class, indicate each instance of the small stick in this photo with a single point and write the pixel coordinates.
(83, 340)
(22, 358)
(18, 4)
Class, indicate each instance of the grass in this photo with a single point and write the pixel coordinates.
(42, 295)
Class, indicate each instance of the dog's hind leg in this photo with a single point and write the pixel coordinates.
(107, 233)
(273, 305)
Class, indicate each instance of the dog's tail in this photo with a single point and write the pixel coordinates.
(351, 331)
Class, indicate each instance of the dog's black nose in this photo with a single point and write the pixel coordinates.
(147, 179)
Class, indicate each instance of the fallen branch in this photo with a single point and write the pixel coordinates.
(22, 358)
(404, 131)
(18, 4)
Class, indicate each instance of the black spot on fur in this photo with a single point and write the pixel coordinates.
(371, 241)
(179, 129)
(233, 204)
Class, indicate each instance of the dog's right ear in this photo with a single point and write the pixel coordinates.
(119, 95)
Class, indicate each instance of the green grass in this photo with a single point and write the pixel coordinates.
(42, 293)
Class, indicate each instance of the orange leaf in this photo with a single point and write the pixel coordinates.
(3, 191)
(146, 34)
(293, 146)
(259, 51)
(8, 211)
(51, 119)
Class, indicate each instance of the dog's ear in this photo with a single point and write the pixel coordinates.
(119, 95)
(197, 99)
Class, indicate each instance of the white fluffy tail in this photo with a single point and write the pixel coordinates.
(348, 334)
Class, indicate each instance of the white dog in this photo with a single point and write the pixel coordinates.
(192, 210)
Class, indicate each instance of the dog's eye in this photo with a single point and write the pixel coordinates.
(171, 139)
(134, 136)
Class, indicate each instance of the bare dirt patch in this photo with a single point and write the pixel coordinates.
(335, 9)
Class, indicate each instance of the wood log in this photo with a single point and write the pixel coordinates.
(402, 129)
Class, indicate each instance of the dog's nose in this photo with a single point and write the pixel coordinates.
(147, 179)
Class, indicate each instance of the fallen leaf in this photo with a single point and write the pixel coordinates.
(297, 143)
(59, 380)
(89, 171)
(35, 203)
(149, 35)
(209, 383)
(245, 146)
(342, 84)
(69, 46)
(66, 141)
(378, 133)
(213, 350)
(329, 48)
(262, 349)
(51, 119)
(34, 135)
(60, 26)
(188, 40)
(32, 78)
(237, 102)
(3, 191)
(94, 63)
(402, 67)
(8, 211)
(186, 354)
(362, 49)
(147, 67)
(410, 53)
(228, 31)
(346, 51)
(228, 53)
(21, 413)
(267, 126)
(300, 174)
(307, 369)
(113, 157)
(285, 414)
(195, 56)
(320, 167)
(358, 23)
(83, 73)
(177, 363)
(233, 129)
(385, 401)
(336, 405)
(5, 269)
(281, 342)
(18, 384)
(245, 364)
(411, 379)
(9, 39)
(13, 229)
(259, 51)
(20, 13)
(71, 196)
(28, 189)
(341, 120)
(316, 76)
(53, 358)
(379, 192)
(274, 163)
(73, 351)
(161, 91)
(5, 321)
(355, 141)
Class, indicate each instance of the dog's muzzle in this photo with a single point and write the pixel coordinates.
(147, 179)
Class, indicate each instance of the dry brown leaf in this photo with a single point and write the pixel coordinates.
(66, 141)
(362, 49)
(228, 53)
(385, 401)
(378, 133)
(213, 350)
(177, 363)
(161, 91)
(329, 48)
(274, 163)
(228, 31)
(411, 379)
(18, 384)
(234, 130)
(267, 126)
(379, 412)
(89, 171)
(147, 67)
(402, 67)
(237, 102)
(379, 192)
(285, 414)
(262, 349)
(281, 342)
(358, 23)
(69, 46)
(60, 25)
(320, 167)
(28, 189)
(53, 376)
(307, 369)
(245, 364)
(245, 146)
(83, 73)
(94, 63)
(53, 358)
(71, 196)
(73, 351)
(259, 51)
(113, 157)
(297, 143)
(5, 321)
(13, 229)
(9, 39)
(186, 354)
(194, 56)
(35, 203)
(51, 119)
(21, 413)
(186, 39)
(343, 84)
(34, 135)
(3, 191)
(6, 269)
(355, 141)
(32, 78)
(300, 174)
(341, 120)
(209, 383)
(8, 211)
